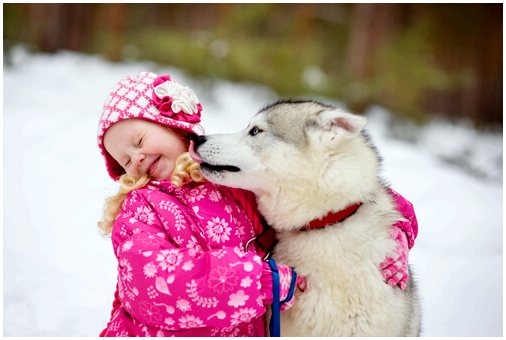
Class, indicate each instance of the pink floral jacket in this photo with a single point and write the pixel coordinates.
(182, 268)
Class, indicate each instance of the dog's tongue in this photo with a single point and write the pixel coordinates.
(193, 154)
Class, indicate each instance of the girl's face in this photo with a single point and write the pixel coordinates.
(143, 147)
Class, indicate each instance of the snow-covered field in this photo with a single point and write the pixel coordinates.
(59, 273)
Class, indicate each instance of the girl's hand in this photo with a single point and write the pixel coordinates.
(395, 269)
(285, 280)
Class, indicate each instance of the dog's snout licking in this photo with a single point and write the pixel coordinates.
(193, 154)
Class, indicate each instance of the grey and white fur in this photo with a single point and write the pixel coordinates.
(304, 159)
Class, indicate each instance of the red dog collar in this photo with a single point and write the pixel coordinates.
(332, 217)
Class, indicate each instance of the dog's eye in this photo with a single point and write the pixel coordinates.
(254, 131)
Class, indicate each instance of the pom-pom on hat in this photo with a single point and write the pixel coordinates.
(158, 99)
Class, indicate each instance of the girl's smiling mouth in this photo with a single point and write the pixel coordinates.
(152, 167)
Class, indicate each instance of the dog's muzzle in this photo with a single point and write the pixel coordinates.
(197, 141)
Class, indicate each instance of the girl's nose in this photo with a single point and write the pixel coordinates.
(139, 159)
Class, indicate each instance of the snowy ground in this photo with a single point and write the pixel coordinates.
(59, 273)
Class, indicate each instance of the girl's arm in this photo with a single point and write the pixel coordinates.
(395, 269)
(179, 286)
(410, 225)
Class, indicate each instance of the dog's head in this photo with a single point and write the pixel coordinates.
(290, 149)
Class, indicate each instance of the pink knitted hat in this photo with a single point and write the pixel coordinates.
(158, 99)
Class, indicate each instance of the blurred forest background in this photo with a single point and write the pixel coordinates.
(418, 60)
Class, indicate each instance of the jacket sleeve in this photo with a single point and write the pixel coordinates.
(410, 225)
(176, 286)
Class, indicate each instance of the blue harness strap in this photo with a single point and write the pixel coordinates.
(292, 287)
(274, 325)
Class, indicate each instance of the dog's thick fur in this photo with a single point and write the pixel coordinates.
(303, 159)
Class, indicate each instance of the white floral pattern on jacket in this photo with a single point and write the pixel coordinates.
(182, 269)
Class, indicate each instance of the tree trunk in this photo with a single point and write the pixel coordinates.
(370, 26)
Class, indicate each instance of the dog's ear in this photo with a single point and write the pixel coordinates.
(341, 122)
(334, 125)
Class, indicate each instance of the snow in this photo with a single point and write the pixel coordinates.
(59, 273)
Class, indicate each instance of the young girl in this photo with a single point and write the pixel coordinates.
(180, 242)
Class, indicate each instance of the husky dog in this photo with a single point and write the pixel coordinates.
(304, 159)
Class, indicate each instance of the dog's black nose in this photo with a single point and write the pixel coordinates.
(198, 140)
